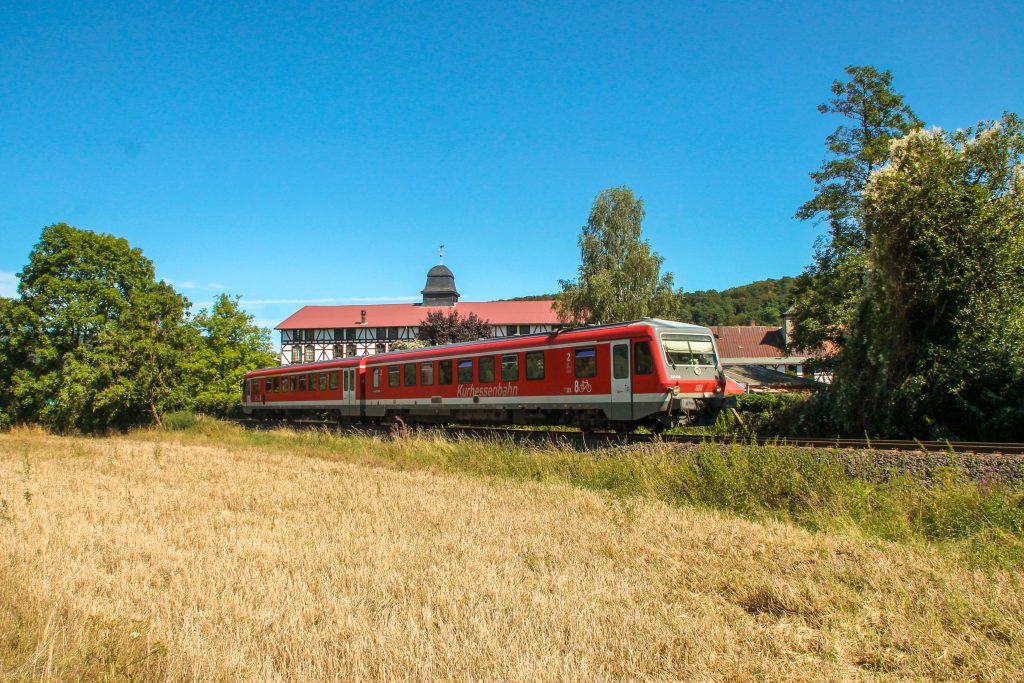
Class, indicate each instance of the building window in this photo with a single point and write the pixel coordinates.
(486, 369)
(444, 372)
(350, 333)
(409, 372)
(381, 348)
(296, 354)
(535, 365)
(392, 333)
(585, 362)
(426, 374)
(510, 367)
(393, 375)
(310, 354)
(339, 351)
(466, 371)
(350, 350)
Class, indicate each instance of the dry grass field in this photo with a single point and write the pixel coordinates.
(156, 558)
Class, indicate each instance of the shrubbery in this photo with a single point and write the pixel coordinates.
(786, 414)
(180, 420)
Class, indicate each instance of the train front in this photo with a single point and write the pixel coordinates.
(694, 377)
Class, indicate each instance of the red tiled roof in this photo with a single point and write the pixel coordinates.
(406, 315)
(749, 341)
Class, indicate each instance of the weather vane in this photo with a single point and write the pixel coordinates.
(442, 254)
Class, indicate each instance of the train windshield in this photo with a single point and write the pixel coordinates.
(688, 349)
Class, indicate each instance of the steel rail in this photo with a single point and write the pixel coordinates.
(592, 439)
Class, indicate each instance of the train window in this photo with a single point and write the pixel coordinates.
(584, 362)
(510, 367)
(266, 385)
(466, 371)
(344, 380)
(444, 372)
(323, 381)
(643, 361)
(486, 370)
(393, 373)
(410, 374)
(688, 349)
(376, 379)
(302, 383)
(620, 361)
(535, 365)
(334, 380)
(426, 374)
(284, 384)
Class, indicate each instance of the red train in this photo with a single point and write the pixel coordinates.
(649, 372)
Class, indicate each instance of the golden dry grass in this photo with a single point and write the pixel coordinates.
(140, 559)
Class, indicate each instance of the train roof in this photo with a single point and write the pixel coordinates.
(657, 323)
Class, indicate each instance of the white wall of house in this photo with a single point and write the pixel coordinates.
(311, 345)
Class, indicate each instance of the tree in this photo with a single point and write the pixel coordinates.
(230, 345)
(936, 347)
(619, 276)
(447, 328)
(763, 301)
(826, 292)
(98, 339)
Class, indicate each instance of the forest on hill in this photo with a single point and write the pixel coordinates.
(763, 302)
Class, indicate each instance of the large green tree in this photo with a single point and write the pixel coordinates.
(619, 276)
(230, 345)
(98, 341)
(936, 345)
(826, 293)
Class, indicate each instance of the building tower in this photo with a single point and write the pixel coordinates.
(440, 289)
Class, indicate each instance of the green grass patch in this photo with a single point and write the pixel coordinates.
(980, 522)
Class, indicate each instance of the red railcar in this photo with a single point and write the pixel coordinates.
(649, 372)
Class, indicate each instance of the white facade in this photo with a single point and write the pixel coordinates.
(310, 345)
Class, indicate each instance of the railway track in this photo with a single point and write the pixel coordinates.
(588, 440)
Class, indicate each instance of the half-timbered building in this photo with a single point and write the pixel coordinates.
(315, 333)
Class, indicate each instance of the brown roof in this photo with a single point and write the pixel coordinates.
(410, 315)
(749, 341)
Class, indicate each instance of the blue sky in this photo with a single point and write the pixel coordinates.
(296, 153)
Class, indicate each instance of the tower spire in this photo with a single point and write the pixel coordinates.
(442, 254)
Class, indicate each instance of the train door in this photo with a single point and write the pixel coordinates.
(348, 394)
(622, 385)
